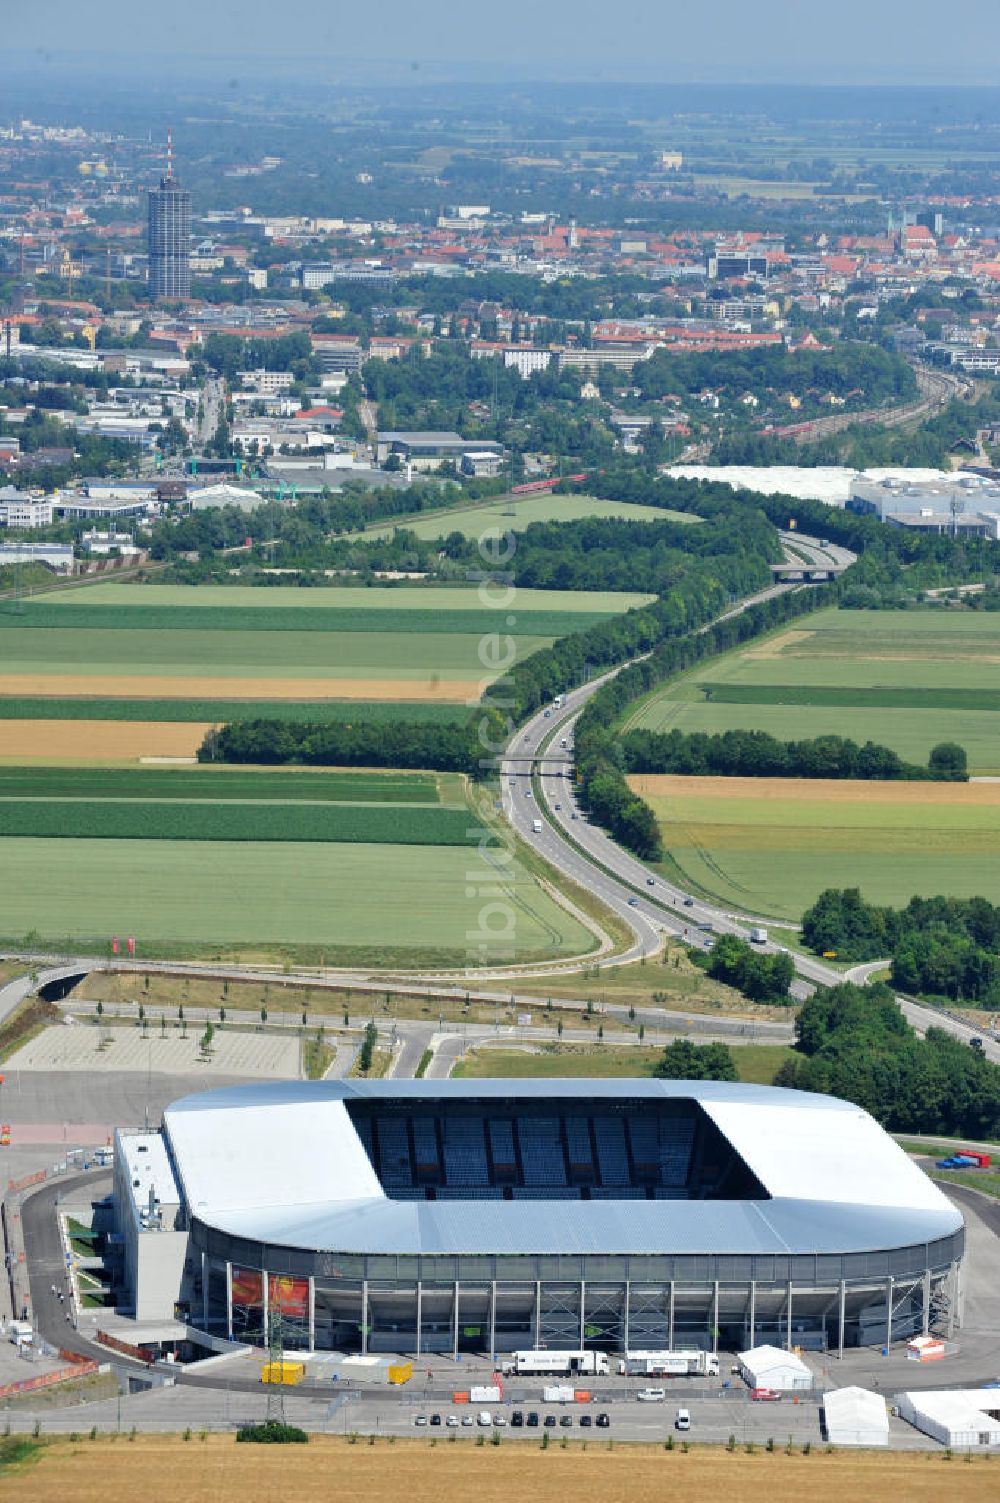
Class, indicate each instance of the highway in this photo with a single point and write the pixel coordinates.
(537, 784)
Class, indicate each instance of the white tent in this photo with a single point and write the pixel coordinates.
(968, 1419)
(770, 1367)
(855, 1417)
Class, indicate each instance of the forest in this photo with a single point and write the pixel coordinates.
(857, 1045)
(939, 947)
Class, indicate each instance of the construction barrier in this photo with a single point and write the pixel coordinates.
(82, 1369)
(288, 1373)
(14, 1185)
(460, 1398)
(137, 1353)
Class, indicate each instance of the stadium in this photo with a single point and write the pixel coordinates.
(486, 1216)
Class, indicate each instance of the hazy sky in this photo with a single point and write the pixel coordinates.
(908, 40)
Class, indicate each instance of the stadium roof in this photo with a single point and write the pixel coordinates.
(282, 1163)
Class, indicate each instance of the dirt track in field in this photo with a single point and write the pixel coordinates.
(825, 790)
(169, 686)
(167, 1469)
(98, 740)
(773, 647)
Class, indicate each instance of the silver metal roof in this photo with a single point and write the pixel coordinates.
(282, 1163)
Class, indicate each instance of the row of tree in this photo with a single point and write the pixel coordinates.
(756, 754)
(445, 748)
(600, 761)
(939, 947)
(856, 1044)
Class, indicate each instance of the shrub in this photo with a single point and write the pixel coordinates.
(274, 1433)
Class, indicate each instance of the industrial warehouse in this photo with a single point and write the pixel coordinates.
(487, 1216)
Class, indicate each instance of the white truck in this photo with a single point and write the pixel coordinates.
(685, 1363)
(487, 1393)
(558, 1364)
(536, 826)
(558, 1393)
(558, 702)
(758, 935)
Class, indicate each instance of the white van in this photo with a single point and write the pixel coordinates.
(683, 1420)
(652, 1395)
(485, 1419)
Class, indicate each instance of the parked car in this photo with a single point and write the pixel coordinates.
(517, 1419)
(683, 1420)
(484, 1418)
(452, 1422)
(435, 1419)
(565, 1421)
(533, 1419)
(420, 1419)
(603, 1420)
(585, 1421)
(550, 1420)
(467, 1420)
(499, 1421)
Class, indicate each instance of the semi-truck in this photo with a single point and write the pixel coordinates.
(685, 1363)
(558, 1364)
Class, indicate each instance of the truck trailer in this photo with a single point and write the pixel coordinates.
(685, 1363)
(558, 1364)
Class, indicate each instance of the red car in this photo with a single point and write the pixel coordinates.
(765, 1393)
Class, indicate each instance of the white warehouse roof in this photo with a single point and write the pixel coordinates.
(856, 1417)
(966, 1418)
(772, 1367)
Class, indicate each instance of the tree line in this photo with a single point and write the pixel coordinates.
(939, 947)
(857, 1045)
(445, 748)
(756, 754)
(600, 763)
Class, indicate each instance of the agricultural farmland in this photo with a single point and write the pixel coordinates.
(517, 513)
(204, 654)
(316, 902)
(773, 844)
(906, 679)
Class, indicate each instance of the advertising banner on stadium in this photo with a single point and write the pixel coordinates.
(248, 1286)
(289, 1296)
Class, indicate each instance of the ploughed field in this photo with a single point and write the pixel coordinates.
(773, 844)
(905, 679)
(354, 866)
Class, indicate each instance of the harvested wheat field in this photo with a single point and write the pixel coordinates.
(174, 686)
(815, 790)
(98, 740)
(168, 1469)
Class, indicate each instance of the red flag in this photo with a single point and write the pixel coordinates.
(114, 944)
(131, 944)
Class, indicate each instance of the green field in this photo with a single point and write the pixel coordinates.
(276, 785)
(519, 513)
(907, 679)
(774, 856)
(431, 597)
(177, 819)
(209, 711)
(425, 635)
(365, 904)
(756, 1063)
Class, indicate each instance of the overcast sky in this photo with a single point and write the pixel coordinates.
(797, 40)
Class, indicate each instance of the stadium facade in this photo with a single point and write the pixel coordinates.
(487, 1216)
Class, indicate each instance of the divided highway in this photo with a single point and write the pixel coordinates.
(537, 785)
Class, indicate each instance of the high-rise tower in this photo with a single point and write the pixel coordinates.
(169, 235)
